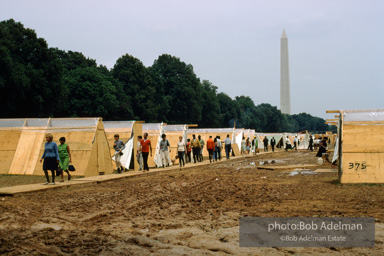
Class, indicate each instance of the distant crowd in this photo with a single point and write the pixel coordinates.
(187, 151)
(57, 159)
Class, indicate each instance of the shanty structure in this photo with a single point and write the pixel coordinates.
(360, 145)
(154, 130)
(128, 132)
(173, 133)
(22, 144)
(278, 138)
(214, 132)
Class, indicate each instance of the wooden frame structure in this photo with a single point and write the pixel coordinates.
(360, 148)
(127, 130)
(85, 136)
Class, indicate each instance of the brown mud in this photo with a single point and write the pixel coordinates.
(193, 211)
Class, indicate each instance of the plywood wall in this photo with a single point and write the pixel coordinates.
(363, 153)
(9, 140)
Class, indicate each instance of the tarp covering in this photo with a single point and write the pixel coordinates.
(304, 142)
(154, 130)
(124, 129)
(374, 115)
(277, 137)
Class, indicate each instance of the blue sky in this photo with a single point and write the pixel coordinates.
(336, 48)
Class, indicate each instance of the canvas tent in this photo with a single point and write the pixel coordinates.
(173, 133)
(278, 138)
(360, 146)
(128, 132)
(206, 132)
(154, 130)
(304, 141)
(85, 136)
(260, 137)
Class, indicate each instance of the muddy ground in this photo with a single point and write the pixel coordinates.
(194, 211)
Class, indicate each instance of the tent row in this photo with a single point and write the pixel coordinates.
(91, 142)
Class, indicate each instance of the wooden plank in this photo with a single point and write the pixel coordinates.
(9, 140)
(103, 152)
(326, 170)
(27, 152)
(287, 167)
(363, 168)
(235, 149)
(363, 138)
(11, 191)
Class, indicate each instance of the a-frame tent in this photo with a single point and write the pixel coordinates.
(85, 136)
(214, 132)
(128, 132)
(173, 133)
(154, 130)
(278, 138)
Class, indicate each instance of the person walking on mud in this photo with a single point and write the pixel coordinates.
(220, 147)
(265, 140)
(295, 141)
(243, 146)
(164, 152)
(189, 150)
(65, 158)
(247, 146)
(181, 149)
(310, 147)
(210, 148)
(195, 143)
(273, 143)
(146, 148)
(202, 143)
(227, 144)
(139, 154)
(255, 145)
(51, 158)
(118, 145)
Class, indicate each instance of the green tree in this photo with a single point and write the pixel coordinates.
(30, 74)
(273, 118)
(211, 107)
(91, 93)
(181, 90)
(137, 84)
(230, 110)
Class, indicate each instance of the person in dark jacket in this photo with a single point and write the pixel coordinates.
(322, 147)
(273, 143)
(265, 140)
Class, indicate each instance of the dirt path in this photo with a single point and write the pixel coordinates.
(192, 212)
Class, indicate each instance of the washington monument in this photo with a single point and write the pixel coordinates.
(285, 98)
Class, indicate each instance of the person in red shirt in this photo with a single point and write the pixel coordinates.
(210, 147)
(146, 148)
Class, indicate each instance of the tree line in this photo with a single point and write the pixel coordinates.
(39, 81)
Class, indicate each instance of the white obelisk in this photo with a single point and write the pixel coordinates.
(285, 98)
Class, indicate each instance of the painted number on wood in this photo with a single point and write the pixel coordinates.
(358, 166)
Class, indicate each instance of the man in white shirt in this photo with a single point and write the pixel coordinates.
(227, 143)
(220, 146)
(164, 153)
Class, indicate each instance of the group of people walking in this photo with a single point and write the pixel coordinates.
(187, 151)
(56, 159)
